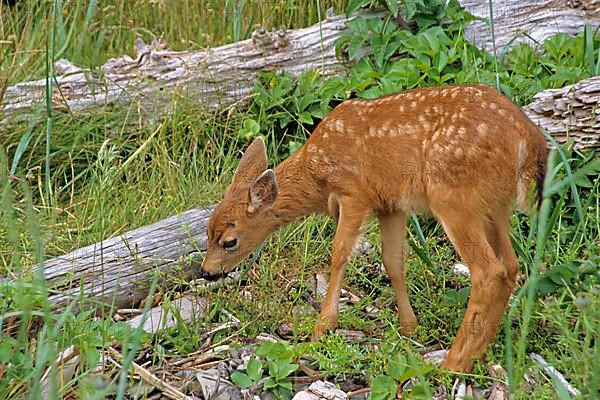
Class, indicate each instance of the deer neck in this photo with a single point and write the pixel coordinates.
(299, 193)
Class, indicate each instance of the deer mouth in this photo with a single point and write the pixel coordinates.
(212, 277)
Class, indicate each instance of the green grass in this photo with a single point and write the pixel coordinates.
(103, 175)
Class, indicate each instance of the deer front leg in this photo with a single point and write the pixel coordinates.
(351, 218)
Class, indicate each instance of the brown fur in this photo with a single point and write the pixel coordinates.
(466, 154)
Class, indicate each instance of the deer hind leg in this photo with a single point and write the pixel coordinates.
(351, 217)
(393, 253)
(491, 287)
(499, 237)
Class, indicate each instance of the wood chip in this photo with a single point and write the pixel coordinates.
(460, 270)
(499, 389)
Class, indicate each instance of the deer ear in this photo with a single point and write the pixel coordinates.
(252, 163)
(262, 192)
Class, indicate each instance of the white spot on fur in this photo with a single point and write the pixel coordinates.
(482, 128)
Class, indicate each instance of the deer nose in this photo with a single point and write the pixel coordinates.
(211, 277)
(208, 276)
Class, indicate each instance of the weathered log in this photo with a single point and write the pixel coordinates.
(213, 77)
(119, 272)
(528, 21)
(570, 113)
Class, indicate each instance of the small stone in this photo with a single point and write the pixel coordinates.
(437, 357)
(460, 269)
(364, 247)
(321, 390)
(322, 284)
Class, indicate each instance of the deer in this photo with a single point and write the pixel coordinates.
(464, 154)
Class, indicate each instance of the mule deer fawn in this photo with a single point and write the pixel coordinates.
(465, 154)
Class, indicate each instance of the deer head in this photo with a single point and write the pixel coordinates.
(240, 223)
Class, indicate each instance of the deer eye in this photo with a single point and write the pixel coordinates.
(230, 244)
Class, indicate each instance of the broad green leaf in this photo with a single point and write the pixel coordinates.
(270, 383)
(411, 8)
(354, 5)
(305, 118)
(442, 61)
(421, 391)
(254, 369)
(281, 369)
(392, 5)
(383, 387)
(241, 379)
(354, 47)
(396, 366)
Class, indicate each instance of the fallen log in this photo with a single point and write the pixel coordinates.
(214, 77)
(118, 272)
(531, 22)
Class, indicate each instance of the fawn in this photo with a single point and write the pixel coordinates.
(465, 154)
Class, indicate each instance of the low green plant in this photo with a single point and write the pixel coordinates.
(278, 358)
(399, 370)
(253, 374)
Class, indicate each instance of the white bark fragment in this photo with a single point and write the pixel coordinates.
(554, 374)
(182, 310)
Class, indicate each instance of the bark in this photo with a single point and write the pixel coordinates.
(570, 113)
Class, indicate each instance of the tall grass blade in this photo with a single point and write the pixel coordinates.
(495, 55)
(24, 143)
(574, 192)
(423, 251)
(588, 48)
